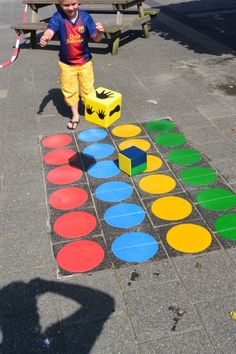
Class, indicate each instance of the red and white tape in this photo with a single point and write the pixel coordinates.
(17, 45)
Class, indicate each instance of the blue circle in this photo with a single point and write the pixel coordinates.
(135, 247)
(93, 134)
(113, 191)
(124, 215)
(104, 169)
(99, 151)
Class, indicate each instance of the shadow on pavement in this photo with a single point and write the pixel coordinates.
(213, 18)
(20, 321)
(55, 95)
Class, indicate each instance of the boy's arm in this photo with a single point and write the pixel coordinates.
(46, 37)
(99, 32)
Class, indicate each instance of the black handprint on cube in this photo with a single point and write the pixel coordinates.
(103, 95)
(101, 114)
(89, 109)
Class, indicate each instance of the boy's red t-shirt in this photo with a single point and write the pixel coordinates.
(73, 37)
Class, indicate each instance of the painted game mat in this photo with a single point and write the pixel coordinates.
(101, 218)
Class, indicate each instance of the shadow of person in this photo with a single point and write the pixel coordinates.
(20, 320)
(55, 95)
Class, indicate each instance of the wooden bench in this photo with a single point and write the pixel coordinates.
(112, 32)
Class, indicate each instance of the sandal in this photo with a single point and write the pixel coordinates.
(72, 125)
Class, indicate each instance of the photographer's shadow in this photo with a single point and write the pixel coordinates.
(55, 95)
(20, 320)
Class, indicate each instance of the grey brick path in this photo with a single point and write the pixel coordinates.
(184, 67)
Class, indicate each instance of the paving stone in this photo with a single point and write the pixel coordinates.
(195, 342)
(215, 151)
(150, 311)
(110, 335)
(146, 274)
(15, 142)
(25, 220)
(225, 122)
(233, 186)
(15, 175)
(227, 168)
(220, 327)
(207, 277)
(215, 110)
(172, 103)
(20, 194)
(92, 302)
(27, 250)
(192, 120)
(13, 163)
(3, 93)
(52, 124)
(142, 110)
(232, 253)
(208, 134)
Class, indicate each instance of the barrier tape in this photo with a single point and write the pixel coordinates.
(16, 50)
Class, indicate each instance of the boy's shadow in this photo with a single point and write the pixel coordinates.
(55, 95)
(20, 320)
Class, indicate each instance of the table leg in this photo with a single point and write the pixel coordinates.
(141, 14)
(119, 14)
(33, 39)
(34, 14)
(115, 41)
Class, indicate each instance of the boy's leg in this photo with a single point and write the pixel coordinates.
(69, 86)
(86, 79)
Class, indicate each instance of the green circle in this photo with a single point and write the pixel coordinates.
(184, 157)
(160, 125)
(216, 199)
(170, 139)
(225, 225)
(198, 176)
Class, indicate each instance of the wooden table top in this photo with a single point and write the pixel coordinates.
(52, 2)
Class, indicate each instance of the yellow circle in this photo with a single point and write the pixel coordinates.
(139, 143)
(171, 208)
(157, 184)
(126, 130)
(189, 238)
(153, 163)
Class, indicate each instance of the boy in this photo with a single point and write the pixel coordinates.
(74, 26)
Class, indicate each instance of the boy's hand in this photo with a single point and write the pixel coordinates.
(99, 27)
(46, 37)
(99, 32)
(44, 41)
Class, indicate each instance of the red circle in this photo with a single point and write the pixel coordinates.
(80, 256)
(68, 198)
(64, 174)
(59, 157)
(75, 224)
(56, 141)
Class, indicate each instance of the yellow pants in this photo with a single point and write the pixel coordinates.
(75, 81)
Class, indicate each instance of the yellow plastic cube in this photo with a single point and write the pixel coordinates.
(103, 107)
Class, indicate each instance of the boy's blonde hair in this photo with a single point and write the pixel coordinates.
(61, 1)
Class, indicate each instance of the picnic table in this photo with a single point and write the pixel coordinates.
(112, 31)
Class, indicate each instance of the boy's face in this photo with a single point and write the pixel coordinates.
(70, 7)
